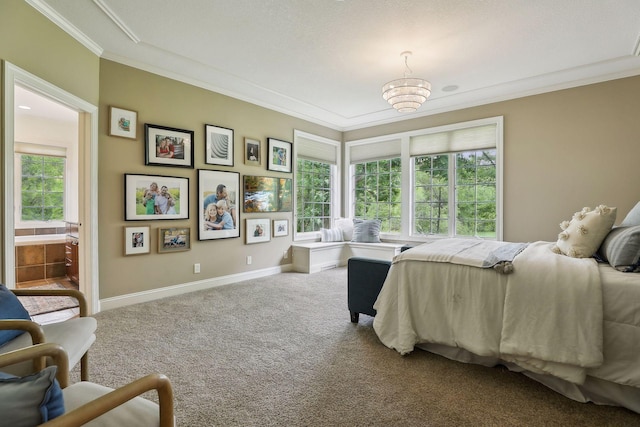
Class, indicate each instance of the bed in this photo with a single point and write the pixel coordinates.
(571, 323)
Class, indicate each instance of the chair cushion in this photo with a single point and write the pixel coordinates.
(137, 412)
(74, 335)
(31, 400)
(10, 308)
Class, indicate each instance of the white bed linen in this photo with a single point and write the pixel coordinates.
(495, 315)
(616, 381)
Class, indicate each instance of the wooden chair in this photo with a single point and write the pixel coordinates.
(75, 335)
(85, 401)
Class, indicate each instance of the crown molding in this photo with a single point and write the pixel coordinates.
(66, 26)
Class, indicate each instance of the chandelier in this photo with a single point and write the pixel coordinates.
(406, 94)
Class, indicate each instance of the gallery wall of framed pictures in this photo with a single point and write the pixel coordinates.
(221, 194)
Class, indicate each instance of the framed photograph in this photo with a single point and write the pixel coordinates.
(258, 230)
(218, 145)
(137, 240)
(123, 123)
(280, 227)
(251, 152)
(152, 197)
(174, 239)
(168, 146)
(218, 201)
(280, 155)
(267, 194)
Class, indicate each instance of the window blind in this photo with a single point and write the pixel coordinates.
(375, 151)
(467, 139)
(318, 150)
(39, 150)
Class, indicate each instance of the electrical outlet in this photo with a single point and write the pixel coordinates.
(285, 254)
(249, 260)
(196, 268)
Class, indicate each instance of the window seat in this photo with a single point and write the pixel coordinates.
(313, 257)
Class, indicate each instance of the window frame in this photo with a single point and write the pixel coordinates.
(38, 150)
(404, 141)
(330, 145)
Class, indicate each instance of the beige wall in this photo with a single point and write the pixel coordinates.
(166, 102)
(562, 151)
(32, 42)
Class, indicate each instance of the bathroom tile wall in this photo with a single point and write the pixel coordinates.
(37, 262)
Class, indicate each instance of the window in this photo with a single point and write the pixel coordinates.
(474, 194)
(377, 192)
(317, 184)
(41, 185)
(313, 195)
(444, 181)
(42, 188)
(455, 183)
(431, 206)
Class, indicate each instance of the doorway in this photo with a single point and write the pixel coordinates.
(64, 127)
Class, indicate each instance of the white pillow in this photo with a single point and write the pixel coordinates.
(583, 235)
(331, 235)
(346, 225)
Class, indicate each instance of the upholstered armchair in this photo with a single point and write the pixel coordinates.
(38, 399)
(75, 335)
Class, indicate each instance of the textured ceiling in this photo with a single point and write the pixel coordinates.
(326, 60)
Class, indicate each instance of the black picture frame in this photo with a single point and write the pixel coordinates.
(166, 146)
(279, 155)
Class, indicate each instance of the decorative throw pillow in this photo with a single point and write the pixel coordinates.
(632, 218)
(346, 225)
(330, 235)
(621, 247)
(10, 308)
(581, 237)
(366, 231)
(31, 400)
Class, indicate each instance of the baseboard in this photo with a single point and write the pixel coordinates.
(169, 291)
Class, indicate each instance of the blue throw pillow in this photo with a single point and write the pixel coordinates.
(32, 400)
(10, 308)
(366, 231)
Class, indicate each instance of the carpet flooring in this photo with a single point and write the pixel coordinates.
(281, 351)
(47, 304)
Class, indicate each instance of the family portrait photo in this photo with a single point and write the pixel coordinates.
(168, 146)
(218, 202)
(150, 197)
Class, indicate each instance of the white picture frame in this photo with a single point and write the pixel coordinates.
(218, 147)
(137, 240)
(258, 230)
(280, 227)
(123, 123)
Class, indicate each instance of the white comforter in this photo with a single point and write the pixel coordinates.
(546, 316)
